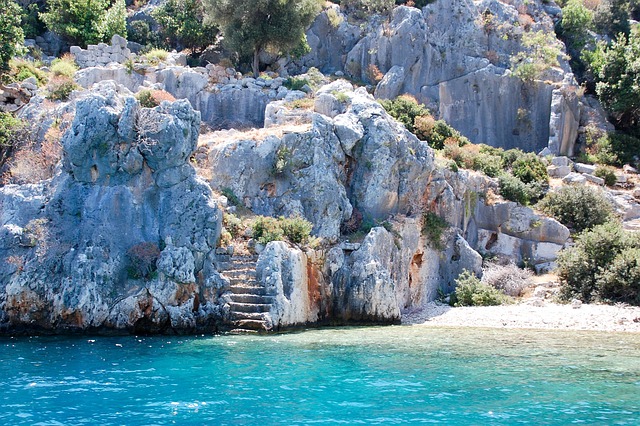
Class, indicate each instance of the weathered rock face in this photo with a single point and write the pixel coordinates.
(362, 159)
(453, 56)
(361, 162)
(74, 243)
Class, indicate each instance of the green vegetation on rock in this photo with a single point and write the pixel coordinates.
(11, 35)
(253, 26)
(603, 265)
(86, 22)
(296, 229)
(470, 291)
(577, 207)
(183, 23)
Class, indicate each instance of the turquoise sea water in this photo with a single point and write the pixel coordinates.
(379, 375)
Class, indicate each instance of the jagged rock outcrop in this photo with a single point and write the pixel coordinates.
(362, 163)
(321, 174)
(80, 250)
(454, 57)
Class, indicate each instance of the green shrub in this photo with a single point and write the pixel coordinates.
(31, 23)
(490, 165)
(60, 88)
(405, 109)
(432, 227)
(296, 83)
(267, 229)
(155, 56)
(138, 31)
(232, 224)
(114, 21)
(183, 23)
(9, 127)
(364, 8)
(20, 70)
(607, 174)
(153, 98)
(541, 51)
(577, 207)
(470, 291)
(296, 229)
(64, 67)
(142, 260)
(85, 22)
(513, 189)
(603, 265)
(11, 35)
(620, 280)
(530, 169)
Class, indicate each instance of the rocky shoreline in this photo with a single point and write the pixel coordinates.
(585, 317)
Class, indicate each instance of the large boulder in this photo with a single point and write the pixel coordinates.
(84, 245)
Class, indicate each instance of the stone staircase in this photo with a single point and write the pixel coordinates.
(250, 303)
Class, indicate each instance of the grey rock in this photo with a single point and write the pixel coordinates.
(584, 168)
(574, 179)
(594, 179)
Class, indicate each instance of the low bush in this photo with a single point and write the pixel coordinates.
(155, 56)
(470, 291)
(509, 279)
(142, 260)
(602, 265)
(607, 174)
(513, 189)
(9, 128)
(296, 83)
(153, 98)
(530, 169)
(577, 207)
(64, 67)
(21, 69)
(432, 227)
(296, 229)
(60, 88)
(232, 224)
(267, 229)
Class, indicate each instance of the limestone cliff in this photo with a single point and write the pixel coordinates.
(72, 246)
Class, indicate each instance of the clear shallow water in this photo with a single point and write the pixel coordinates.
(389, 375)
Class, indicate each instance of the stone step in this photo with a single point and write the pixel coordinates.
(250, 324)
(235, 273)
(254, 316)
(252, 298)
(240, 288)
(249, 307)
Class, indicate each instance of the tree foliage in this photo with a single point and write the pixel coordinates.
(617, 72)
(11, 35)
(603, 265)
(576, 22)
(85, 22)
(274, 26)
(183, 23)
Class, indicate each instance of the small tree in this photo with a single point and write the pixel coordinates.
(85, 22)
(617, 72)
(183, 22)
(114, 21)
(253, 26)
(11, 35)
